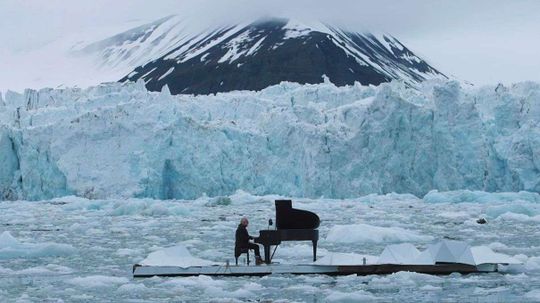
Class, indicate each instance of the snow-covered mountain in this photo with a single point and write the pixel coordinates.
(255, 55)
(119, 140)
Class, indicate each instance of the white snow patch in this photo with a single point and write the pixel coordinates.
(168, 72)
(255, 47)
(295, 29)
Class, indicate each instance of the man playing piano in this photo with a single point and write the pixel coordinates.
(242, 241)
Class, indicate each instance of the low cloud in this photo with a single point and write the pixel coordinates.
(496, 34)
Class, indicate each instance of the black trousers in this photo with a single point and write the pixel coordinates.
(255, 248)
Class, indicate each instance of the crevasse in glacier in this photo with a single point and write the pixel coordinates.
(119, 140)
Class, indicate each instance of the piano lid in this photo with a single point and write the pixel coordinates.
(288, 217)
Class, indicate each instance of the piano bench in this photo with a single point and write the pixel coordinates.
(238, 253)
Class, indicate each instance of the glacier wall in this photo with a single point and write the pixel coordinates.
(119, 140)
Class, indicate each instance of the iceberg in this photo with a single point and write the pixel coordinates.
(120, 141)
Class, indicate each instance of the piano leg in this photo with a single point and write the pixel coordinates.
(267, 254)
(314, 250)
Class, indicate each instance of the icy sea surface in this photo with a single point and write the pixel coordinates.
(77, 250)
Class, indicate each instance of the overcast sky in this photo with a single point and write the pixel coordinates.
(478, 41)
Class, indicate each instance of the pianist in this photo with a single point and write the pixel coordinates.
(242, 241)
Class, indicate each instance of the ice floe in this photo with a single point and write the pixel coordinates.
(98, 281)
(365, 233)
(461, 196)
(357, 296)
(11, 248)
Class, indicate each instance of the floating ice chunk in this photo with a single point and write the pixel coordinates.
(7, 240)
(516, 207)
(11, 248)
(97, 281)
(519, 217)
(174, 256)
(69, 199)
(247, 290)
(200, 282)
(243, 197)
(123, 252)
(50, 269)
(497, 245)
(303, 288)
(148, 207)
(299, 250)
(364, 233)
(356, 296)
(430, 288)
(405, 278)
(217, 292)
(454, 214)
(127, 207)
(129, 289)
(532, 264)
(533, 295)
(404, 253)
(219, 201)
(484, 254)
(335, 258)
(460, 196)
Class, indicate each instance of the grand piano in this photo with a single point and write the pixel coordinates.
(291, 225)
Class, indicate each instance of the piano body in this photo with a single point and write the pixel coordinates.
(291, 225)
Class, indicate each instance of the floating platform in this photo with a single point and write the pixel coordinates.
(141, 271)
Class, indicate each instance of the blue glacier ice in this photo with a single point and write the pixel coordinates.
(119, 140)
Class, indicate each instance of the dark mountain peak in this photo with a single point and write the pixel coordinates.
(252, 56)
